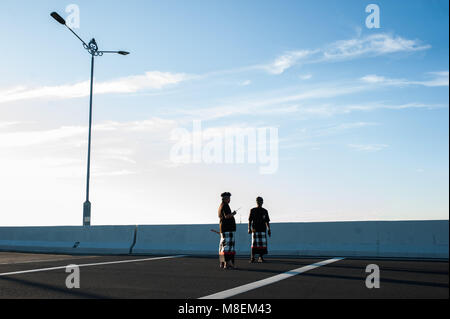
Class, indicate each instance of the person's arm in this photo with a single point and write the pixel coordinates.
(268, 225)
(228, 213)
(250, 221)
(223, 212)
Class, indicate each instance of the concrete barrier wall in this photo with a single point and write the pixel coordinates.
(421, 239)
(185, 239)
(68, 240)
(412, 239)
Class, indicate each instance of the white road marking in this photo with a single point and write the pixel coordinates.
(261, 283)
(47, 260)
(87, 265)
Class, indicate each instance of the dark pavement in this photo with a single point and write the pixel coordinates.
(195, 277)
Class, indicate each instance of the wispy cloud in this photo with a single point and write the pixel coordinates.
(306, 102)
(309, 136)
(369, 46)
(29, 138)
(368, 147)
(346, 126)
(305, 77)
(287, 60)
(9, 124)
(373, 45)
(131, 84)
(435, 79)
(440, 79)
(271, 103)
(121, 148)
(245, 83)
(387, 106)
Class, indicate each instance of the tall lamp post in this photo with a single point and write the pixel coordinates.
(93, 50)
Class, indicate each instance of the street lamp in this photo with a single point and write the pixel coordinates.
(92, 48)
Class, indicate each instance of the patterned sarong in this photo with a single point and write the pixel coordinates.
(226, 247)
(259, 243)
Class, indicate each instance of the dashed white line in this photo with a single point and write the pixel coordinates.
(88, 265)
(261, 283)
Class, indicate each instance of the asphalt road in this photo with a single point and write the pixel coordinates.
(28, 276)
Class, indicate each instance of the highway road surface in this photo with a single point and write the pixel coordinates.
(25, 276)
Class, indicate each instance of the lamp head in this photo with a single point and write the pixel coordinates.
(58, 18)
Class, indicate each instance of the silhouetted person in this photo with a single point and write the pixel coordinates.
(227, 233)
(258, 225)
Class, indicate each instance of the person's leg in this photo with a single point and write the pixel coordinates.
(231, 263)
(263, 249)
(252, 248)
(233, 250)
(222, 261)
(252, 254)
(230, 250)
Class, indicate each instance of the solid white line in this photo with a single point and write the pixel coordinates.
(88, 265)
(47, 260)
(261, 283)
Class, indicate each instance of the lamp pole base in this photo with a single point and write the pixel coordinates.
(87, 214)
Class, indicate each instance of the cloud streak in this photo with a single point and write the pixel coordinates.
(154, 80)
(301, 103)
(374, 45)
(436, 79)
(288, 60)
(368, 147)
(120, 148)
(369, 46)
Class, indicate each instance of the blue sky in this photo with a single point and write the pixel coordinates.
(361, 114)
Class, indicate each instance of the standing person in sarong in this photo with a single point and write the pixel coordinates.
(258, 224)
(227, 233)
